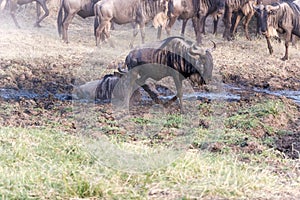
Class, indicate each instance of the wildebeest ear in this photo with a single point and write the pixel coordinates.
(118, 74)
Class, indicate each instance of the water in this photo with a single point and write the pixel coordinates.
(294, 95)
(14, 94)
(230, 93)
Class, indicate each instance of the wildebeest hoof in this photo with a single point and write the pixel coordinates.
(271, 51)
(284, 58)
(37, 25)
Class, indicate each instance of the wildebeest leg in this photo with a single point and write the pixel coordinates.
(269, 44)
(101, 29)
(227, 22)
(237, 18)
(106, 32)
(294, 40)
(203, 24)
(42, 3)
(66, 23)
(258, 26)
(178, 83)
(13, 8)
(246, 25)
(216, 20)
(195, 25)
(135, 32)
(170, 24)
(159, 32)
(287, 41)
(184, 22)
(152, 94)
(142, 30)
(38, 11)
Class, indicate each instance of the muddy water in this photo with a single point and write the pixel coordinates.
(13, 94)
(230, 93)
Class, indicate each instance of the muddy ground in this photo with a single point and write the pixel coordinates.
(35, 60)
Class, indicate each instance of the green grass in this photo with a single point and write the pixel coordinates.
(45, 164)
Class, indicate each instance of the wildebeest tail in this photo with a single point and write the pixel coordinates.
(59, 18)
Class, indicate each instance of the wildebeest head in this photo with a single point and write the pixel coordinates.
(220, 8)
(266, 16)
(203, 63)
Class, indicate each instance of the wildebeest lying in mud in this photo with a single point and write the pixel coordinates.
(173, 57)
(98, 90)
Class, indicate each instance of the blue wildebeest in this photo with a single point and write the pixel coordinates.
(257, 14)
(99, 89)
(198, 11)
(137, 12)
(283, 17)
(13, 5)
(162, 58)
(84, 8)
(240, 9)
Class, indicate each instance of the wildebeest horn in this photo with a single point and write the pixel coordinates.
(259, 7)
(272, 8)
(121, 70)
(195, 50)
(213, 48)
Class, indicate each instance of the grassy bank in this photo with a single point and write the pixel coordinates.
(51, 164)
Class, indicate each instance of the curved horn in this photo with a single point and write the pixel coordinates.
(259, 7)
(121, 70)
(213, 48)
(272, 8)
(194, 50)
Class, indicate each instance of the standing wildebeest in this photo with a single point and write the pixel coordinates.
(283, 17)
(240, 8)
(164, 58)
(13, 5)
(258, 21)
(198, 10)
(137, 12)
(84, 8)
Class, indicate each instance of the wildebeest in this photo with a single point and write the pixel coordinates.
(216, 8)
(84, 8)
(264, 3)
(283, 17)
(160, 20)
(99, 89)
(183, 10)
(173, 57)
(137, 12)
(198, 11)
(13, 5)
(240, 8)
